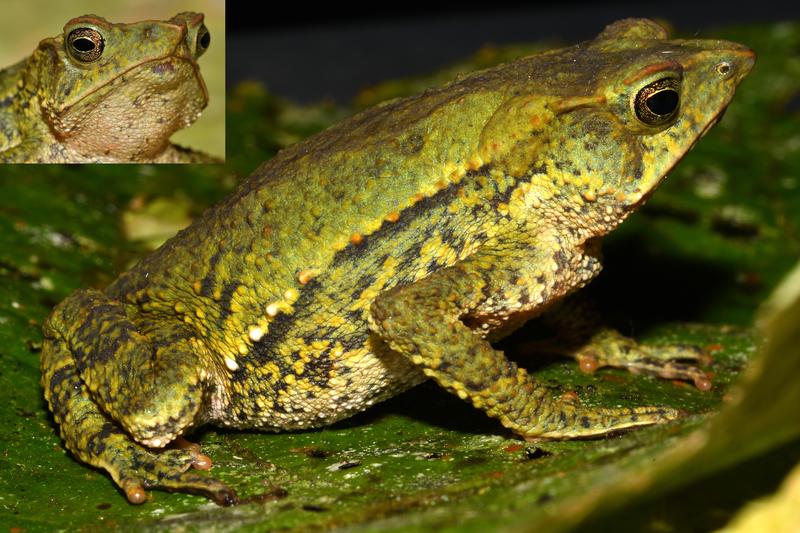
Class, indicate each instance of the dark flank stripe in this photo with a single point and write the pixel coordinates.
(207, 283)
(279, 328)
(364, 282)
(226, 296)
(284, 324)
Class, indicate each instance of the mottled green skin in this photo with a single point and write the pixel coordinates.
(57, 107)
(388, 249)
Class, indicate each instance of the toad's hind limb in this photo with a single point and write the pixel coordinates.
(423, 321)
(97, 413)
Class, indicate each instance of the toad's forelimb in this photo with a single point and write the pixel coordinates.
(423, 321)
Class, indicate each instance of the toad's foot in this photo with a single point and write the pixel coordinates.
(575, 421)
(139, 469)
(610, 348)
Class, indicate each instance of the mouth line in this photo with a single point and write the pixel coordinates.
(195, 67)
(711, 123)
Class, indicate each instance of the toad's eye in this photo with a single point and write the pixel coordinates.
(85, 44)
(657, 103)
(203, 40)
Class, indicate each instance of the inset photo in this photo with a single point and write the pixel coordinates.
(91, 81)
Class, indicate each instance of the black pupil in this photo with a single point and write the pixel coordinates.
(662, 102)
(205, 40)
(83, 44)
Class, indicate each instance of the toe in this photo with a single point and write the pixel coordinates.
(135, 494)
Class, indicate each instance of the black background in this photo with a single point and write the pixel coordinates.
(308, 52)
